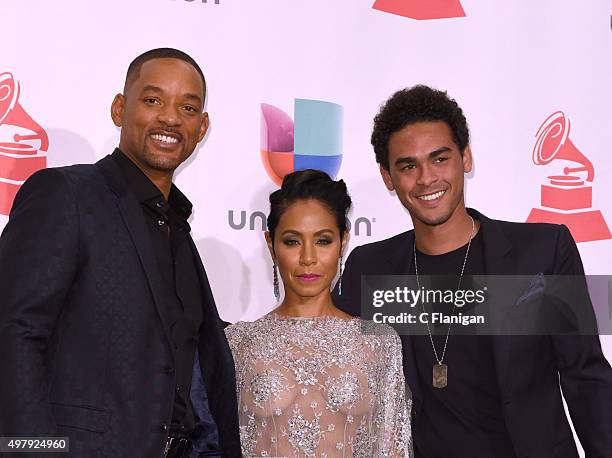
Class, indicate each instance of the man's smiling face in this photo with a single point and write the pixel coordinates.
(160, 115)
(426, 171)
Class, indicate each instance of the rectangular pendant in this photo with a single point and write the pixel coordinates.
(440, 375)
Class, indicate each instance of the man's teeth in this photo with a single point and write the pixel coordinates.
(433, 196)
(164, 138)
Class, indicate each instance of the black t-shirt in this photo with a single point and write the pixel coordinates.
(465, 418)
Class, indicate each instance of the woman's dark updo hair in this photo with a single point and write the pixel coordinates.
(310, 184)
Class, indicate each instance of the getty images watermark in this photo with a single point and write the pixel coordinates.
(490, 304)
(417, 300)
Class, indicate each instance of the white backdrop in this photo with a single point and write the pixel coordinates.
(509, 64)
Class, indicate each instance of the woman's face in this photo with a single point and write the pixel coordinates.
(307, 246)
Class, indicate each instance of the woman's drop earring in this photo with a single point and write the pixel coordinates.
(276, 288)
(340, 278)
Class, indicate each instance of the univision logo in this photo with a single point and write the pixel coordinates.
(314, 141)
(257, 220)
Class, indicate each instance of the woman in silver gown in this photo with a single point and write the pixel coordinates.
(313, 381)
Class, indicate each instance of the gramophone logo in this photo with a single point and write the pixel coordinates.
(23, 143)
(314, 141)
(568, 198)
(421, 9)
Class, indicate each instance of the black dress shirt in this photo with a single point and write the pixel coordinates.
(169, 229)
(464, 419)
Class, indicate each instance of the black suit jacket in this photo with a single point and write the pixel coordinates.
(85, 346)
(529, 368)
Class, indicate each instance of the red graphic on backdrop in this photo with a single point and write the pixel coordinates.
(421, 9)
(568, 198)
(23, 143)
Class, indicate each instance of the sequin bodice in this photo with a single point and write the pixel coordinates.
(320, 387)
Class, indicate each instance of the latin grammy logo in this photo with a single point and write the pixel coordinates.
(23, 143)
(567, 198)
(421, 9)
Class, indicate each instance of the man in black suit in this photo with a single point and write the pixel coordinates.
(108, 327)
(476, 395)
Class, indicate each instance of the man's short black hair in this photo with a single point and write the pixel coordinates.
(417, 104)
(160, 53)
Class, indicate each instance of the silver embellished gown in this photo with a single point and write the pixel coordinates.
(320, 387)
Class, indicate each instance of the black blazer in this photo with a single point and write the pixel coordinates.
(529, 368)
(85, 349)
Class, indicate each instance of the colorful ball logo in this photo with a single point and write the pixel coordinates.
(314, 141)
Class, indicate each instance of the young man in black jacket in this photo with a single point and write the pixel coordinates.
(477, 395)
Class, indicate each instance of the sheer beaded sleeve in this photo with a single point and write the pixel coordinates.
(395, 436)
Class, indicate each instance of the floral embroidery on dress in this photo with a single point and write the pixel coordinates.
(266, 384)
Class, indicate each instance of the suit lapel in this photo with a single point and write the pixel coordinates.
(400, 262)
(497, 247)
(131, 213)
(498, 260)
(208, 303)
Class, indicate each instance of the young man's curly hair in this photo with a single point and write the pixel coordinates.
(416, 104)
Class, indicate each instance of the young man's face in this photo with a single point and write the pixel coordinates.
(160, 115)
(426, 171)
